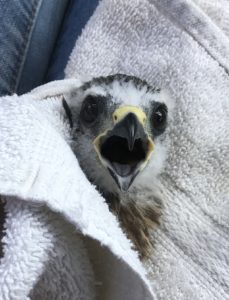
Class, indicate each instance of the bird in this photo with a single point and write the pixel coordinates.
(119, 135)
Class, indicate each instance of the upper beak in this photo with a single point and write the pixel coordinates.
(125, 149)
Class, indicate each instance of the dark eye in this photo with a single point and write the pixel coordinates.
(90, 110)
(159, 118)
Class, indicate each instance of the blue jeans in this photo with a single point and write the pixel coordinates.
(36, 39)
(28, 31)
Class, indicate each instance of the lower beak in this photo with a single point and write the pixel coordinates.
(124, 150)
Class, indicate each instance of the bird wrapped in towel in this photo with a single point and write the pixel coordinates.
(119, 136)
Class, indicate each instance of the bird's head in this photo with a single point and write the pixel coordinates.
(118, 133)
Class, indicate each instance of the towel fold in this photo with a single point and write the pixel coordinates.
(51, 207)
(182, 46)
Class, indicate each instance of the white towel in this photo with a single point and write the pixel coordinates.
(176, 45)
(56, 222)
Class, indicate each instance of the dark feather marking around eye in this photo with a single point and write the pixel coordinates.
(68, 112)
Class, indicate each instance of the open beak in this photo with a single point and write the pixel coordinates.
(126, 148)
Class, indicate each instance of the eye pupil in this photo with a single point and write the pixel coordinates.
(159, 118)
(90, 109)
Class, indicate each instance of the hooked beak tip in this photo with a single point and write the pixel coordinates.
(131, 142)
(131, 137)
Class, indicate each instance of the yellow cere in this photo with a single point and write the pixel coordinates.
(122, 111)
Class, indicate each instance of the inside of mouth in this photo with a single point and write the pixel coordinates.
(115, 149)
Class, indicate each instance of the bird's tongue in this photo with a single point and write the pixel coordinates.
(123, 170)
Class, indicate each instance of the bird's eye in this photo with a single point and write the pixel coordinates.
(159, 118)
(90, 110)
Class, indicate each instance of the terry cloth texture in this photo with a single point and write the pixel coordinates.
(183, 46)
(55, 218)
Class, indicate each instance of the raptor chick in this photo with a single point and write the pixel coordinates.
(119, 137)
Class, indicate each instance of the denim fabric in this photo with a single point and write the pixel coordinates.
(78, 13)
(16, 23)
(42, 44)
(28, 29)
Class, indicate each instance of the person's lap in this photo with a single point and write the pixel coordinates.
(16, 23)
(28, 34)
(77, 15)
(20, 23)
